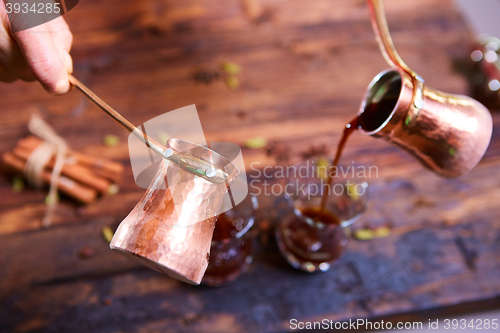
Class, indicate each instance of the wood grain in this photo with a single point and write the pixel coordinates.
(305, 66)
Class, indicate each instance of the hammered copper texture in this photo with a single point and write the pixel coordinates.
(170, 229)
(449, 134)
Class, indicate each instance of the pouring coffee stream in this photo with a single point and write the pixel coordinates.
(448, 133)
(373, 114)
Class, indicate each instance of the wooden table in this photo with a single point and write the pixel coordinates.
(305, 66)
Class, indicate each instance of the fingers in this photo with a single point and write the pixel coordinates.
(47, 61)
(11, 59)
(61, 34)
(63, 39)
(5, 74)
(40, 53)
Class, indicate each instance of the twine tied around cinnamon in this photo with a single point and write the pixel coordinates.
(53, 145)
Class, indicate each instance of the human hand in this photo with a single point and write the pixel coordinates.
(39, 53)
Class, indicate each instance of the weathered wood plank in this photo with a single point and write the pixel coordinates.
(306, 65)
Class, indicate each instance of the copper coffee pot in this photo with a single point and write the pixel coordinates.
(171, 228)
(448, 133)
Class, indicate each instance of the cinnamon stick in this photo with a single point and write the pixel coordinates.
(76, 172)
(67, 186)
(100, 166)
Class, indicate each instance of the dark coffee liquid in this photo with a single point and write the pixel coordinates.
(229, 256)
(319, 215)
(308, 244)
(348, 130)
(224, 228)
(373, 116)
(376, 113)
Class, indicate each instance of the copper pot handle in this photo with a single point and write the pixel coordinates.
(391, 56)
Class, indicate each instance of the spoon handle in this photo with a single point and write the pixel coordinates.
(155, 146)
(183, 160)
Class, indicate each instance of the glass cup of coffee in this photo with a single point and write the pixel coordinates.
(232, 244)
(313, 237)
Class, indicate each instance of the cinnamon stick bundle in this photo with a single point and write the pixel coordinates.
(67, 186)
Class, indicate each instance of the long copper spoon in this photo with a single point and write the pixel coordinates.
(194, 165)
